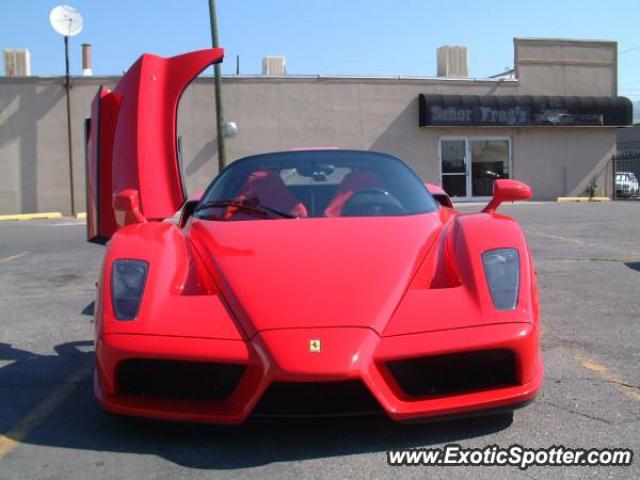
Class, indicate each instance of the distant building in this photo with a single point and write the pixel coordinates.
(551, 121)
(17, 62)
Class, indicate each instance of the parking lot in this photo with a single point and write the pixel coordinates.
(588, 261)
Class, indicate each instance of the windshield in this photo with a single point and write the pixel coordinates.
(313, 184)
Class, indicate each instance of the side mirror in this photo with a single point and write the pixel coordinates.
(505, 190)
(189, 207)
(126, 205)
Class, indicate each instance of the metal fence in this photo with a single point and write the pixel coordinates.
(626, 176)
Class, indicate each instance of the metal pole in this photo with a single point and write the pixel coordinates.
(613, 177)
(69, 137)
(218, 91)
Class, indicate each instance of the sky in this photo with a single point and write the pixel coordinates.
(328, 37)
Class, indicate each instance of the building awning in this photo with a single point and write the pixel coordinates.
(523, 110)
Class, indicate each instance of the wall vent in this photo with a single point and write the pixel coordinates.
(452, 61)
(274, 66)
(17, 62)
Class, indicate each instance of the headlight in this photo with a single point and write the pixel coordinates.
(127, 284)
(502, 269)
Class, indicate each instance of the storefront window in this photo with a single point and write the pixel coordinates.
(489, 161)
(454, 168)
(469, 166)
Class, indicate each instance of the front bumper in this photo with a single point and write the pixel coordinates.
(345, 354)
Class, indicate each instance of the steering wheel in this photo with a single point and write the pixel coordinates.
(371, 202)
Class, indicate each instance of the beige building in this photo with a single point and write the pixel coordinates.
(458, 132)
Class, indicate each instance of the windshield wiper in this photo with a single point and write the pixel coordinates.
(247, 207)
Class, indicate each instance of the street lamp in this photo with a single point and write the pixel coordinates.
(67, 21)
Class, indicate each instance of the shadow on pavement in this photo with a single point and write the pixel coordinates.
(633, 266)
(89, 309)
(79, 423)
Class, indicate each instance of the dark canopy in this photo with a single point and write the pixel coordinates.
(523, 110)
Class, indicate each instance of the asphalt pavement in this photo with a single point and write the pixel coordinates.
(588, 262)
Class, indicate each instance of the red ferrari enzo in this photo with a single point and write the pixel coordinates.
(304, 282)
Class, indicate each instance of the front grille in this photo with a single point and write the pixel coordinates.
(178, 380)
(455, 373)
(349, 397)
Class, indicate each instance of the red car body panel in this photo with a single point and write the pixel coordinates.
(369, 290)
(261, 298)
(439, 194)
(133, 144)
(101, 222)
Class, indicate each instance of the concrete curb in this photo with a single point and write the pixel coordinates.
(583, 199)
(30, 216)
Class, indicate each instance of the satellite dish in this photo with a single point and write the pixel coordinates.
(66, 20)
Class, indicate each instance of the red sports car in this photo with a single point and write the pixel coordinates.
(305, 282)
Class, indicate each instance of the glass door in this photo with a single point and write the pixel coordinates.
(453, 155)
(469, 166)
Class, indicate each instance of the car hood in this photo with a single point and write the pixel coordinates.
(338, 272)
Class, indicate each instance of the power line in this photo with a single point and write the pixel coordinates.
(637, 47)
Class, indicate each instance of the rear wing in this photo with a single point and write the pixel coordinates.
(131, 141)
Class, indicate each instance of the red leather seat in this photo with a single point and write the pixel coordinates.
(267, 188)
(354, 182)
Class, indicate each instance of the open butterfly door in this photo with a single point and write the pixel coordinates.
(132, 141)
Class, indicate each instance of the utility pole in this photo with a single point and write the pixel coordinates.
(69, 136)
(222, 160)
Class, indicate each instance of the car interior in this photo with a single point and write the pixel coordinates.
(357, 190)
(325, 184)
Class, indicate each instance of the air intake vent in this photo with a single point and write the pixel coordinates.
(177, 380)
(455, 373)
(17, 62)
(317, 399)
(452, 61)
(274, 66)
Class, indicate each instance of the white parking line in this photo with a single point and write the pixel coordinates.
(67, 224)
(583, 243)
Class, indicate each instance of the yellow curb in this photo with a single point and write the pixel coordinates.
(30, 216)
(81, 215)
(583, 199)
